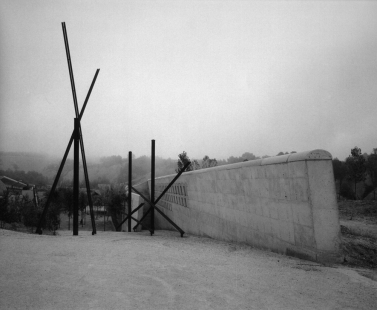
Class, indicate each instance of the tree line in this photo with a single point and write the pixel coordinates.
(357, 169)
(23, 210)
(207, 162)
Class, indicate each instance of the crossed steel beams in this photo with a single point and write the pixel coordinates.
(76, 135)
(80, 133)
(152, 204)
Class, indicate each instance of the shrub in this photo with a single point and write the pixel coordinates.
(346, 191)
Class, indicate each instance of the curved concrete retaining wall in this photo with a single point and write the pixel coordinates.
(135, 201)
(286, 204)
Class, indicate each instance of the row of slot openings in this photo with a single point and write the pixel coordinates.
(175, 189)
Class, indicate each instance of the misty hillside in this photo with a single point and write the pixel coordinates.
(109, 169)
(112, 169)
(26, 161)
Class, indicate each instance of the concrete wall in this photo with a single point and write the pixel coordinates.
(135, 201)
(286, 204)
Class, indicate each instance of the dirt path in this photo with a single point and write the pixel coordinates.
(358, 220)
(135, 271)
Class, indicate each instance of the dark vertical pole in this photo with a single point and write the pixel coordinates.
(129, 198)
(152, 184)
(70, 69)
(76, 159)
(83, 157)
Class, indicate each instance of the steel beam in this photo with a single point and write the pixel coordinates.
(88, 193)
(172, 182)
(129, 198)
(133, 211)
(152, 183)
(70, 69)
(170, 221)
(142, 218)
(90, 201)
(73, 87)
(44, 212)
(153, 206)
(137, 221)
(165, 190)
(54, 185)
(76, 159)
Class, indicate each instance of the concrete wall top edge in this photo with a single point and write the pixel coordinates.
(317, 154)
(141, 186)
(275, 160)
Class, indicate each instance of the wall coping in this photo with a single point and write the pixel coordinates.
(312, 155)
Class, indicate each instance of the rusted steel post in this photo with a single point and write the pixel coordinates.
(129, 197)
(152, 184)
(76, 153)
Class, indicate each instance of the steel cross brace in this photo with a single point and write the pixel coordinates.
(83, 157)
(137, 221)
(140, 205)
(39, 228)
(158, 210)
(153, 205)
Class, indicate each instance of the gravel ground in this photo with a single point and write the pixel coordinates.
(136, 271)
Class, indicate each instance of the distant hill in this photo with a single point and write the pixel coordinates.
(112, 169)
(118, 172)
(95, 172)
(26, 161)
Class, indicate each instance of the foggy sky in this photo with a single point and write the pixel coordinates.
(216, 78)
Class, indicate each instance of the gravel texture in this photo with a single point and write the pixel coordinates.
(136, 271)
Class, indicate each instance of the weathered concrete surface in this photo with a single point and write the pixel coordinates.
(286, 204)
(135, 271)
(135, 201)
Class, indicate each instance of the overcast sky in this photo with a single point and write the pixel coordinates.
(216, 78)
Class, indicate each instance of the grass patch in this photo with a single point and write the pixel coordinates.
(358, 232)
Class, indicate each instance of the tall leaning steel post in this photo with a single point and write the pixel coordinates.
(129, 198)
(76, 150)
(152, 184)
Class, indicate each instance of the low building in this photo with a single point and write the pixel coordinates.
(17, 188)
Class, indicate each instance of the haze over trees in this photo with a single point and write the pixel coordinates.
(206, 162)
(21, 209)
(106, 170)
(356, 167)
(340, 170)
(371, 167)
(356, 176)
(29, 177)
